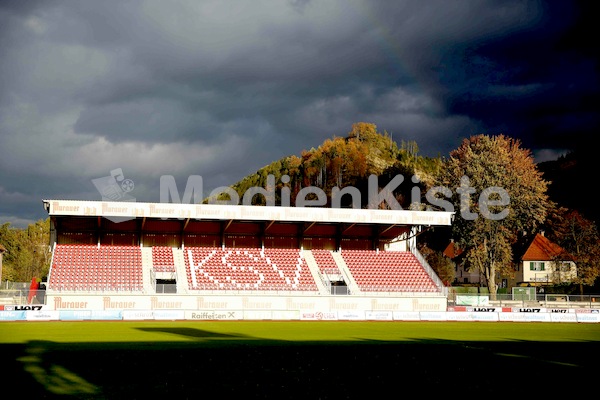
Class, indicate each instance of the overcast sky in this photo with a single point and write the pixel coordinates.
(222, 88)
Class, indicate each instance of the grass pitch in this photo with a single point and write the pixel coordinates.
(289, 360)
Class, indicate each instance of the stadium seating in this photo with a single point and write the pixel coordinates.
(77, 267)
(389, 271)
(162, 259)
(325, 261)
(214, 268)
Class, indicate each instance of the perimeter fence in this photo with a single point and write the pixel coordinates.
(19, 293)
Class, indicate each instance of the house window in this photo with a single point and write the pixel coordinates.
(537, 266)
(565, 267)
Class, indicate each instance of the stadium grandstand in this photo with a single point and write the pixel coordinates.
(239, 261)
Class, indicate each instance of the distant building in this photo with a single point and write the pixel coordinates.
(542, 263)
(545, 263)
(461, 275)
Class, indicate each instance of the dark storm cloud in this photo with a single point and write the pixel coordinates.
(222, 88)
(539, 83)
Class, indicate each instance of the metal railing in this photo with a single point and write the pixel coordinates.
(515, 300)
(19, 294)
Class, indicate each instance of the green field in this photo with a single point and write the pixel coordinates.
(304, 360)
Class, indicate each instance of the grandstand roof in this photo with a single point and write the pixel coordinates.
(177, 218)
(108, 209)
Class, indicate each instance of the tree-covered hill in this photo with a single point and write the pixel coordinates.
(345, 161)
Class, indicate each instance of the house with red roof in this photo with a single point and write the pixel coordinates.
(545, 263)
(461, 275)
(542, 263)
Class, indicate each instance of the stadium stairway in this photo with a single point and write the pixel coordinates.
(146, 268)
(147, 263)
(339, 260)
(314, 270)
(178, 258)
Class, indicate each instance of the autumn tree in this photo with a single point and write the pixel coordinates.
(579, 237)
(442, 265)
(497, 192)
(380, 150)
